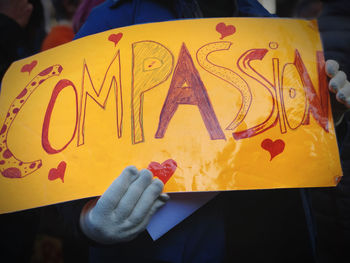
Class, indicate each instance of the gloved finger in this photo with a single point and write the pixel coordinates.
(145, 220)
(146, 201)
(111, 197)
(164, 197)
(343, 94)
(332, 67)
(133, 194)
(337, 82)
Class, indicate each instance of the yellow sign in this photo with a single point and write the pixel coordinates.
(207, 105)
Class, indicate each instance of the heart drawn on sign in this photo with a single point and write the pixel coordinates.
(225, 30)
(58, 172)
(29, 67)
(273, 147)
(163, 171)
(115, 38)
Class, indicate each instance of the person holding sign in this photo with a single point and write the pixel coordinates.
(122, 213)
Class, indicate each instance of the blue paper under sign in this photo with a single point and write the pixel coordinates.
(179, 207)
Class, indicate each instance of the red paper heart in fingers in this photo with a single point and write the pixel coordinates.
(58, 172)
(115, 38)
(163, 171)
(273, 147)
(225, 30)
(29, 67)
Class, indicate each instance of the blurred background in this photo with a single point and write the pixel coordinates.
(31, 26)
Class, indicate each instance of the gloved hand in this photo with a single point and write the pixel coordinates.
(338, 83)
(125, 209)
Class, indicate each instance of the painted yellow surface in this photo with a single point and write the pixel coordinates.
(237, 103)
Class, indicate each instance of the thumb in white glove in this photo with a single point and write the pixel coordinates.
(125, 209)
(338, 83)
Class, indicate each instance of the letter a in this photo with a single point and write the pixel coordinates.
(187, 88)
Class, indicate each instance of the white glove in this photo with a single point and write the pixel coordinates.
(125, 209)
(338, 83)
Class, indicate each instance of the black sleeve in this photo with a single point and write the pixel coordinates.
(61, 221)
(68, 214)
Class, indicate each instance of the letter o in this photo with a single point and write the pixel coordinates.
(45, 131)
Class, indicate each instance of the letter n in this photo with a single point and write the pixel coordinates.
(318, 105)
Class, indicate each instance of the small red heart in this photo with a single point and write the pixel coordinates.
(273, 147)
(225, 30)
(58, 172)
(115, 38)
(163, 171)
(29, 67)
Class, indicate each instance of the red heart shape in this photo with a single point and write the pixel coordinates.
(29, 67)
(115, 38)
(225, 30)
(58, 172)
(273, 147)
(163, 171)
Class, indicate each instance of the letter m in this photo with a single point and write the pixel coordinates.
(110, 79)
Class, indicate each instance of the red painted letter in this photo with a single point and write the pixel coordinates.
(244, 65)
(45, 134)
(318, 105)
(100, 96)
(193, 94)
